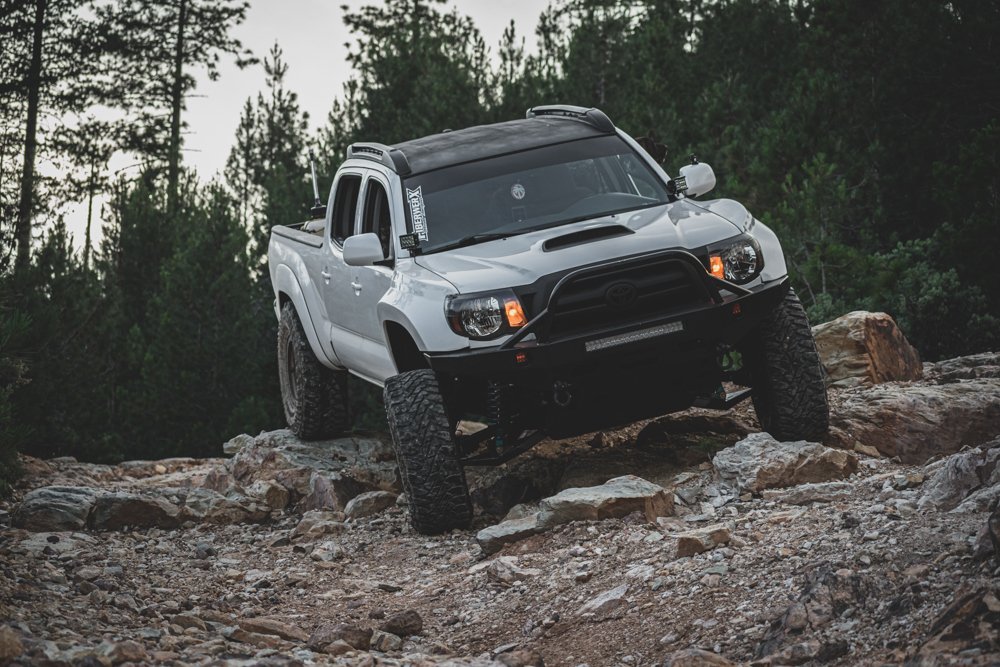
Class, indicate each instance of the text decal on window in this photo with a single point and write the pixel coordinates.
(417, 215)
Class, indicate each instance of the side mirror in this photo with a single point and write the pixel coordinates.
(363, 250)
(697, 179)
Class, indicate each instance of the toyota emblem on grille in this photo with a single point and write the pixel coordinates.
(620, 295)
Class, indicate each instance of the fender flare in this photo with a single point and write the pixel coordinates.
(287, 288)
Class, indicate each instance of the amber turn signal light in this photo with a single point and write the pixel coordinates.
(514, 313)
(715, 267)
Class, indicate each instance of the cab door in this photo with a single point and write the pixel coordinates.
(370, 283)
(335, 277)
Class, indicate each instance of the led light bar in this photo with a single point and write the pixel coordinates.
(633, 336)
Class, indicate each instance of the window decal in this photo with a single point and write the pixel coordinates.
(415, 198)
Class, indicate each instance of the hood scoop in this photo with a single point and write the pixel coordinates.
(585, 236)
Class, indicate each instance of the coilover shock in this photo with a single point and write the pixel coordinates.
(497, 413)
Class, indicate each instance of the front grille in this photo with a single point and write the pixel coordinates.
(623, 294)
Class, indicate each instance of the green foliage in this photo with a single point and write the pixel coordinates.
(943, 315)
(866, 135)
(13, 326)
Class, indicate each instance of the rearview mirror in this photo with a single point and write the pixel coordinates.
(697, 178)
(363, 250)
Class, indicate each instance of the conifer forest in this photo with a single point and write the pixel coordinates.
(867, 134)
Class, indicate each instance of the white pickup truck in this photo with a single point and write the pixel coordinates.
(544, 277)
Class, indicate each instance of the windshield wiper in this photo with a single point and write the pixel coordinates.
(472, 239)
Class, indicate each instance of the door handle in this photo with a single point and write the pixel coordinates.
(357, 286)
(325, 274)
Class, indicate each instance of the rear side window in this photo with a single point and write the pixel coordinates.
(377, 217)
(345, 206)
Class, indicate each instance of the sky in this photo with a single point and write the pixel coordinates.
(312, 36)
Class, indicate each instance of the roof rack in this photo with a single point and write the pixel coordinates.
(386, 155)
(594, 117)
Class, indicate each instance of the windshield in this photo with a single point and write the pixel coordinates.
(529, 190)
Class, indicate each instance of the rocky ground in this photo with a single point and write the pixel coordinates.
(688, 540)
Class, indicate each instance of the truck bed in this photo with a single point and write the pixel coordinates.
(310, 232)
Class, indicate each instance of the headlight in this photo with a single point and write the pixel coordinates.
(739, 262)
(484, 316)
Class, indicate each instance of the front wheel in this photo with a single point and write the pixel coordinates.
(789, 392)
(313, 396)
(426, 453)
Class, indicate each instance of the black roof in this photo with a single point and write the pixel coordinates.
(545, 126)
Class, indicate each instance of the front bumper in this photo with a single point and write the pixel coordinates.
(728, 315)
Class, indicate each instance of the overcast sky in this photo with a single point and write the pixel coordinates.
(312, 36)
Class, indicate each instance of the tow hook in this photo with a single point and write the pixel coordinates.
(561, 393)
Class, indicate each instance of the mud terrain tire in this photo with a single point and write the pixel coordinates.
(313, 396)
(426, 453)
(789, 391)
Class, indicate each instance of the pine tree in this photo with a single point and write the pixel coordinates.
(158, 71)
(267, 168)
(49, 66)
(197, 361)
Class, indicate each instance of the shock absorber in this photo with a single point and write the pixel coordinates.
(495, 413)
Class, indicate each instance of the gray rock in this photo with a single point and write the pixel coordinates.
(493, 538)
(55, 508)
(353, 635)
(117, 509)
(404, 623)
(697, 541)
(615, 498)
(521, 511)
(804, 494)
(506, 570)
(207, 506)
(954, 480)
(605, 605)
(234, 445)
(760, 462)
(369, 503)
(327, 551)
(315, 524)
(324, 474)
(271, 493)
(386, 641)
(918, 421)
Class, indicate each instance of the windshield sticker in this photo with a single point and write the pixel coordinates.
(415, 198)
(517, 191)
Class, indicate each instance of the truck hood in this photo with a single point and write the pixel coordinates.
(520, 260)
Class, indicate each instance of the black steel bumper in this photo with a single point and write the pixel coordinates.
(730, 314)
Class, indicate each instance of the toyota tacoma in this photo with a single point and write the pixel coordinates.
(542, 277)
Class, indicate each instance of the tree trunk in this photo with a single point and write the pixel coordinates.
(23, 229)
(90, 214)
(176, 103)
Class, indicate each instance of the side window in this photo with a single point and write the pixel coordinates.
(345, 205)
(376, 217)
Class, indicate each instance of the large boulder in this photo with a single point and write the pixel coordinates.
(115, 510)
(615, 498)
(55, 508)
(918, 421)
(862, 348)
(971, 367)
(760, 462)
(318, 475)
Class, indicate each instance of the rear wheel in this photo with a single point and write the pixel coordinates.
(424, 439)
(789, 391)
(313, 396)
